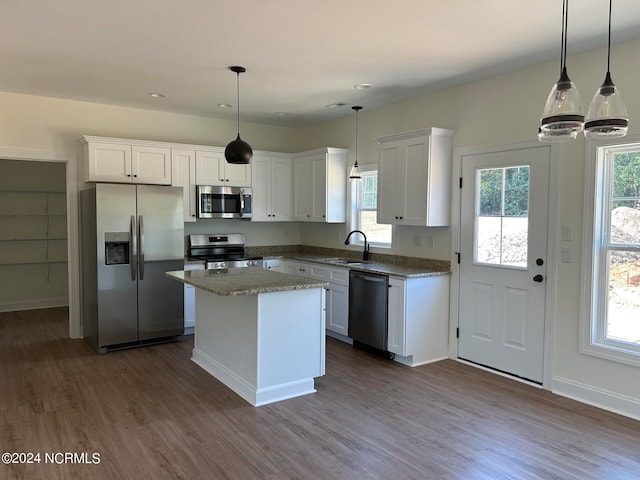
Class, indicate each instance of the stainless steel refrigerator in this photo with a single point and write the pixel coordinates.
(131, 236)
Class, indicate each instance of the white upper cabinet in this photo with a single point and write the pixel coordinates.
(213, 169)
(414, 178)
(183, 174)
(271, 186)
(112, 161)
(320, 185)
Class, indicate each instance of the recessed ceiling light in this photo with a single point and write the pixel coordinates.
(336, 105)
(225, 105)
(362, 86)
(282, 114)
(156, 95)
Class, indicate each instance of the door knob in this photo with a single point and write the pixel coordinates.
(538, 278)
(539, 262)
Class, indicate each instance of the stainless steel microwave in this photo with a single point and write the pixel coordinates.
(223, 202)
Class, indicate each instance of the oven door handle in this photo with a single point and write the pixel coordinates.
(241, 202)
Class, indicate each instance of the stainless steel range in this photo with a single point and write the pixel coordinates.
(221, 251)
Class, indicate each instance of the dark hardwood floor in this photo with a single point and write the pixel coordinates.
(152, 413)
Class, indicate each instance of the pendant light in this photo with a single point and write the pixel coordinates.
(238, 151)
(355, 170)
(562, 117)
(607, 116)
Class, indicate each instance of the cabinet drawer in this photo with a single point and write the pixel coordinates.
(339, 276)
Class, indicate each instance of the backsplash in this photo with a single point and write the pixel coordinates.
(283, 250)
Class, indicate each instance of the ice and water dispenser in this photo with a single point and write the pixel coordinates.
(116, 248)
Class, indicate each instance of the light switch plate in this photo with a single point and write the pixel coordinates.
(566, 255)
(417, 240)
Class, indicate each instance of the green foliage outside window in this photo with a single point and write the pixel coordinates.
(504, 192)
(626, 180)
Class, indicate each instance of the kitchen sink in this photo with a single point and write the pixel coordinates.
(342, 261)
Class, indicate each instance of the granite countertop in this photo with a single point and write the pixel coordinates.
(393, 269)
(244, 281)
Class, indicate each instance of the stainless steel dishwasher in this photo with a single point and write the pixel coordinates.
(368, 309)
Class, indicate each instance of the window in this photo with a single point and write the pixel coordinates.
(502, 223)
(614, 295)
(365, 201)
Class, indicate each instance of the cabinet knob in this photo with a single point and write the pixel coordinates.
(226, 180)
(193, 214)
(135, 175)
(323, 216)
(308, 216)
(401, 218)
(128, 174)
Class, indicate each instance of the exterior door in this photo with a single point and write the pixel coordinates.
(503, 245)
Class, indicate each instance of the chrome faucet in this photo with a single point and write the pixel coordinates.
(365, 253)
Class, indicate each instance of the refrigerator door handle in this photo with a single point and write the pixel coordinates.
(141, 260)
(132, 232)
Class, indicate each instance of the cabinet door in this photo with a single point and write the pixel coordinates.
(318, 188)
(280, 189)
(301, 189)
(338, 309)
(151, 165)
(237, 175)
(291, 267)
(209, 168)
(389, 175)
(396, 329)
(413, 194)
(183, 174)
(109, 162)
(261, 181)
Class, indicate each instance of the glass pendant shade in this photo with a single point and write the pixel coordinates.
(562, 117)
(607, 117)
(354, 174)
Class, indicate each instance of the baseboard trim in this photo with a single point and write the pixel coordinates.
(598, 397)
(34, 304)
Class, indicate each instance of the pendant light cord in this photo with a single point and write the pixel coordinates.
(609, 40)
(563, 43)
(356, 138)
(238, 98)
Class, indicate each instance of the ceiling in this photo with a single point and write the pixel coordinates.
(300, 55)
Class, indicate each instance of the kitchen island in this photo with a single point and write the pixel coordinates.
(259, 332)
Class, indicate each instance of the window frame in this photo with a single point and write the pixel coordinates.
(596, 228)
(354, 217)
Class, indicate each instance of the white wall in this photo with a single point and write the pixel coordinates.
(504, 110)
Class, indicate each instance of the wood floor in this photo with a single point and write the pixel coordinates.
(150, 413)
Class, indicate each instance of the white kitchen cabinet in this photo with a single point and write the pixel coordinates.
(337, 319)
(320, 185)
(213, 169)
(183, 174)
(414, 178)
(274, 264)
(418, 319)
(271, 186)
(115, 160)
(190, 300)
(337, 301)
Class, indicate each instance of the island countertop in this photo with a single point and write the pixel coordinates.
(244, 281)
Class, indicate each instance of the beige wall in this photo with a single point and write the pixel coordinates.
(506, 110)
(501, 110)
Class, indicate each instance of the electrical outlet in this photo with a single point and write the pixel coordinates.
(417, 240)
